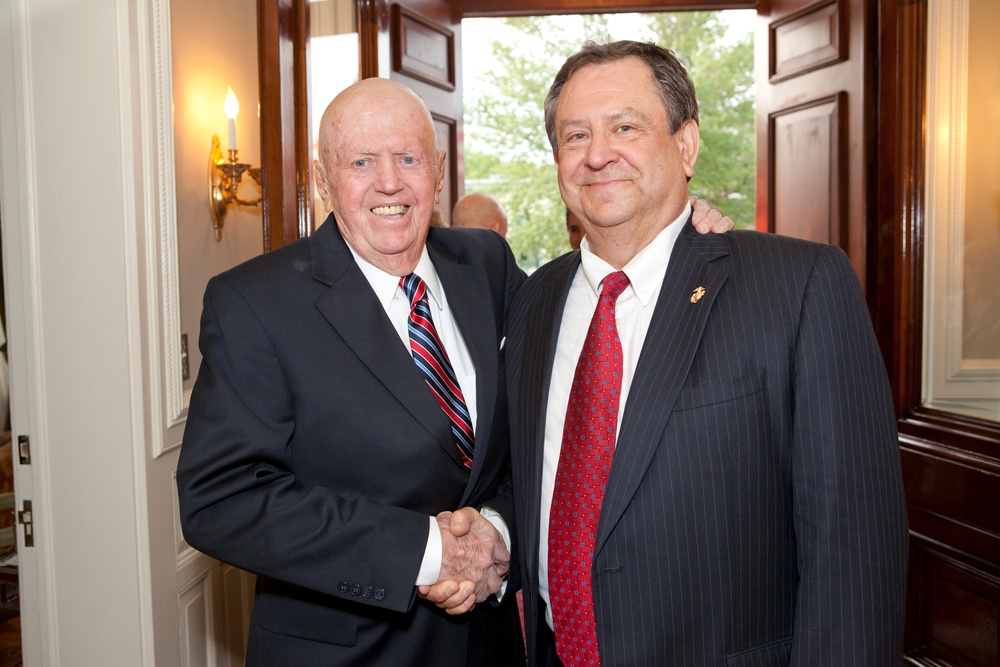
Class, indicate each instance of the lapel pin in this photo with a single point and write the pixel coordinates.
(696, 295)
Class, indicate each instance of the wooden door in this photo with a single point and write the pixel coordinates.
(424, 46)
(811, 62)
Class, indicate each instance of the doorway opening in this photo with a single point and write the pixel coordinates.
(508, 64)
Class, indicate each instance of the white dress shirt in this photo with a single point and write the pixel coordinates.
(397, 307)
(633, 313)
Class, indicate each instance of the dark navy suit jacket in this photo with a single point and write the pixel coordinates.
(754, 513)
(314, 453)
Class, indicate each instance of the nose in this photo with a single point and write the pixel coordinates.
(600, 152)
(387, 178)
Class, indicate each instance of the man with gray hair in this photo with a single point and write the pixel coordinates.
(705, 461)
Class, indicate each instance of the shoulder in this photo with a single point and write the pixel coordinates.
(762, 251)
(467, 242)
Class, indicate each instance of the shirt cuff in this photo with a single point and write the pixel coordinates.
(430, 566)
(494, 517)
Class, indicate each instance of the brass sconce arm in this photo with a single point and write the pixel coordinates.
(224, 179)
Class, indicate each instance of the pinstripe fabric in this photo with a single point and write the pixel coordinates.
(754, 511)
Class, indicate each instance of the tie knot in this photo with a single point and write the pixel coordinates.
(414, 287)
(614, 284)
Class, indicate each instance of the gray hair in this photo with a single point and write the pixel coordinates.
(676, 88)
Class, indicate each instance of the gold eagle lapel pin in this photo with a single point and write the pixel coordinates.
(696, 295)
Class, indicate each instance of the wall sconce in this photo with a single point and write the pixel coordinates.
(224, 176)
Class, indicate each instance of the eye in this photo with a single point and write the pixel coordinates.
(625, 128)
(409, 159)
(360, 163)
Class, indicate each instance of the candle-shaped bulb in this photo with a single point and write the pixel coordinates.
(232, 109)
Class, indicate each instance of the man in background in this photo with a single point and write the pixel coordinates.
(480, 210)
(573, 229)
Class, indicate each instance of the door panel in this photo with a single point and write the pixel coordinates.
(811, 137)
(425, 42)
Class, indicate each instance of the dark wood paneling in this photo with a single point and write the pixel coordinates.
(953, 607)
(284, 127)
(807, 170)
(951, 464)
(808, 53)
(447, 138)
(807, 40)
(422, 49)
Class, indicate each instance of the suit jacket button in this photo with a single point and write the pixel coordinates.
(367, 592)
(343, 587)
(380, 594)
(356, 589)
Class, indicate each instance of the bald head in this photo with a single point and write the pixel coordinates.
(479, 209)
(379, 171)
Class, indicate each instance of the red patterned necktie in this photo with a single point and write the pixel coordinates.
(588, 446)
(432, 360)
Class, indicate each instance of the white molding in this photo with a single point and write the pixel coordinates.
(168, 398)
(951, 382)
(29, 411)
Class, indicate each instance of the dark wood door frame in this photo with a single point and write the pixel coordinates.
(951, 464)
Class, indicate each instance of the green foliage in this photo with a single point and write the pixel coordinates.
(507, 152)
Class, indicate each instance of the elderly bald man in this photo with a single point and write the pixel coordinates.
(317, 455)
(480, 210)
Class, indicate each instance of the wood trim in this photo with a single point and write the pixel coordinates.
(479, 8)
(369, 14)
(896, 279)
(277, 124)
(406, 25)
(796, 61)
(303, 144)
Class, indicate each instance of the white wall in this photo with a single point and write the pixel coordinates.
(91, 247)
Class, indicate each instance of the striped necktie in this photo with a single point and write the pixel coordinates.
(432, 360)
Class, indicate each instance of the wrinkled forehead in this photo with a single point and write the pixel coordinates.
(377, 126)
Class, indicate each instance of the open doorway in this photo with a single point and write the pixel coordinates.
(507, 65)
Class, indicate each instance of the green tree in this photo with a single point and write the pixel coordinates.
(508, 154)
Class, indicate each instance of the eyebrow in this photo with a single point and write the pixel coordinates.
(628, 113)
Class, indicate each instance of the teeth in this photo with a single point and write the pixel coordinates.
(389, 210)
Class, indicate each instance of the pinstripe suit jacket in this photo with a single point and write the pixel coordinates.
(754, 513)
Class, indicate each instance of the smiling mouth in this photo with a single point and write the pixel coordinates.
(390, 210)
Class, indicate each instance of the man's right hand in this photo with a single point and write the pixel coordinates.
(474, 561)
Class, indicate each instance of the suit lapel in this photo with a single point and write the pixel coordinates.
(543, 320)
(671, 343)
(471, 306)
(350, 306)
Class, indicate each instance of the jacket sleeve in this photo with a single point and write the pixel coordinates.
(240, 499)
(849, 511)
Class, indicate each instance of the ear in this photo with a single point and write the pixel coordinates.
(689, 142)
(440, 176)
(322, 185)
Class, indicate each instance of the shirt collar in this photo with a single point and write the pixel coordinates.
(385, 284)
(645, 271)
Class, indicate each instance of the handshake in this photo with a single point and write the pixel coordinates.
(474, 562)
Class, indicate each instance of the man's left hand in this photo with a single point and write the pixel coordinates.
(706, 219)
